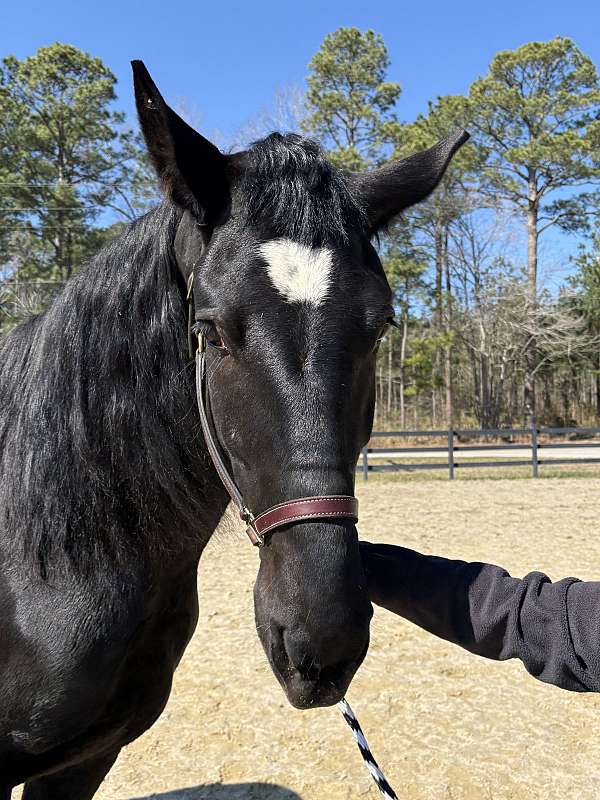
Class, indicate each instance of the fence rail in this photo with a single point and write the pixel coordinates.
(454, 447)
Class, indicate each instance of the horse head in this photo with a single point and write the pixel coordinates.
(291, 296)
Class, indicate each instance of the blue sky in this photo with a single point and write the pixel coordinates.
(226, 60)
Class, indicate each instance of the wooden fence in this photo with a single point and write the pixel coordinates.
(455, 445)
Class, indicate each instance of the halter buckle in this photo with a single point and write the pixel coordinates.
(255, 537)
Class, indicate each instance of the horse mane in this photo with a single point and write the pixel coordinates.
(290, 189)
(99, 442)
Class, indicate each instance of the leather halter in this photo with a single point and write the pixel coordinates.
(302, 509)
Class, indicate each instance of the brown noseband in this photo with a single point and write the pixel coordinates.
(337, 506)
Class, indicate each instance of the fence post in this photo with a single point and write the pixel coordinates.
(365, 462)
(451, 454)
(534, 450)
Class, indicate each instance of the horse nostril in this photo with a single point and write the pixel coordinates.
(310, 670)
(299, 654)
(325, 676)
(331, 675)
(308, 667)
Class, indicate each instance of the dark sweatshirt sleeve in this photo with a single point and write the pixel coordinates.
(554, 628)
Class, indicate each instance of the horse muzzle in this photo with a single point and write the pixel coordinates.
(312, 610)
(306, 683)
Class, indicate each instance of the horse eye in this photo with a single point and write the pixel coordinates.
(211, 335)
(383, 331)
(389, 323)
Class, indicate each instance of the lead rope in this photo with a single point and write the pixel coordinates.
(365, 751)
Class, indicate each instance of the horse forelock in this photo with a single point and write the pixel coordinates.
(289, 189)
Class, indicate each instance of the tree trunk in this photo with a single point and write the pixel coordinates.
(389, 371)
(437, 308)
(486, 405)
(485, 373)
(532, 259)
(402, 367)
(378, 395)
(448, 347)
(68, 253)
(598, 384)
(475, 359)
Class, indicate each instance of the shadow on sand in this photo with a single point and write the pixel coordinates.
(227, 791)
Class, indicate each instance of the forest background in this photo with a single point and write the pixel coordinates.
(498, 325)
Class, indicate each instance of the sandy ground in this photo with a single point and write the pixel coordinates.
(442, 723)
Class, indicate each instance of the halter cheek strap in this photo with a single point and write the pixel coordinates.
(301, 509)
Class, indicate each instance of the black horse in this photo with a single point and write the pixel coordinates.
(107, 493)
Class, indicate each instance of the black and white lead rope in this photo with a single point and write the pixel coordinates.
(365, 751)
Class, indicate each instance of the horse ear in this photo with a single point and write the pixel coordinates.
(388, 190)
(191, 169)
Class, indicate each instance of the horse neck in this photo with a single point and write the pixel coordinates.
(108, 366)
(154, 428)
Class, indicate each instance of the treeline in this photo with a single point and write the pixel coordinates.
(71, 173)
(481, 339)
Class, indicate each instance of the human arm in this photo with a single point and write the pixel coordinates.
(553, 628)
